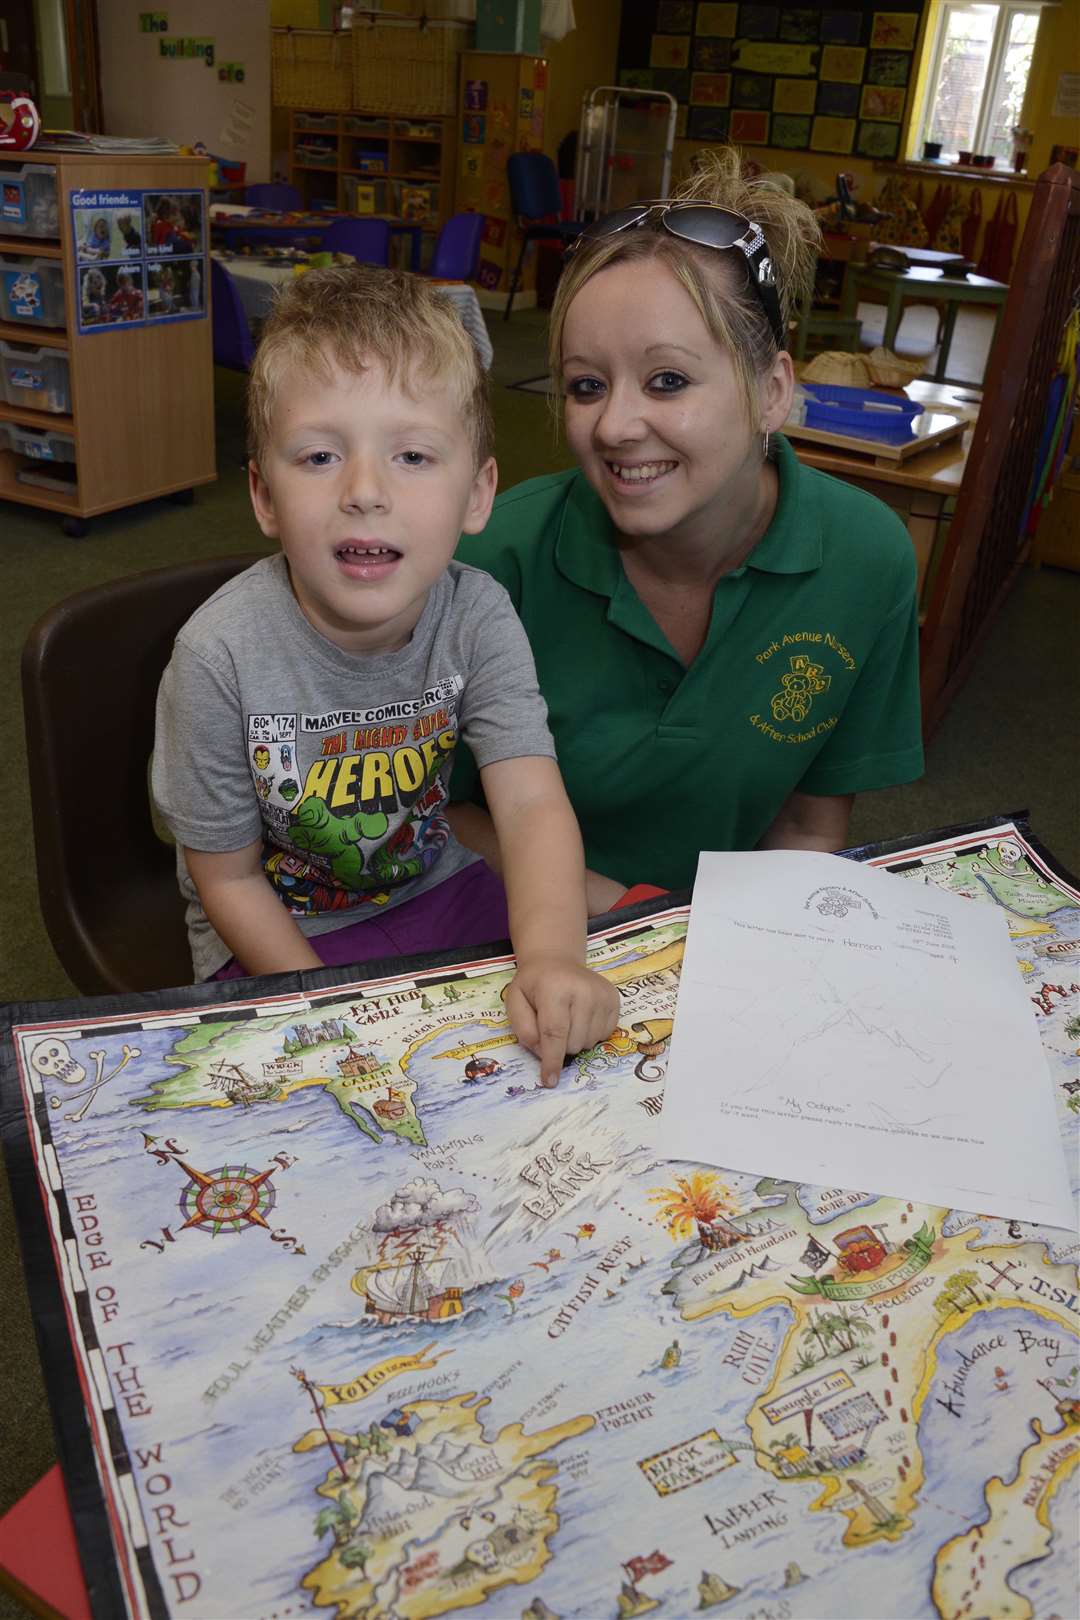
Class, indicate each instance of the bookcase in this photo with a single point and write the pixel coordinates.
(373, 163)
(109, 398)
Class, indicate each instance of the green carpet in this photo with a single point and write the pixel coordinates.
(1009, 741)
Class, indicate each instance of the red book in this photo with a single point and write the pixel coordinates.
(39, 1563)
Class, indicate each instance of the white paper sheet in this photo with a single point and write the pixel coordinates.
(843, 1027)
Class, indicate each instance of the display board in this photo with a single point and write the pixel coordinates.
(139, 255)
(810, 77)
(339, 1310)
(503, 100)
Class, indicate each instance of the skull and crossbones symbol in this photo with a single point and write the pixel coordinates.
(52, 1060)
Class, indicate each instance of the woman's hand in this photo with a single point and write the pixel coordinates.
(558, 1007)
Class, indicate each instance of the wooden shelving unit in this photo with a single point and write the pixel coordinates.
(405, 159)
(142, 398)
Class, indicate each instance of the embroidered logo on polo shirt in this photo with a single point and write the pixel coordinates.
(803, 682)
(795, 706)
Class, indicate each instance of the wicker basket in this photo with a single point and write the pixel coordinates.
(310, 68)
(838, 369)
(401, 66)
(887, 369)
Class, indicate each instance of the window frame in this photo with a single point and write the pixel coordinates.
(995, 63)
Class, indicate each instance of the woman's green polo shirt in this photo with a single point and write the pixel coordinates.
(808, 677)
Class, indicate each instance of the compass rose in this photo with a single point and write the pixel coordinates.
(226, 1200)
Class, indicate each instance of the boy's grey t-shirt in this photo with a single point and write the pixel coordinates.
(341, 762)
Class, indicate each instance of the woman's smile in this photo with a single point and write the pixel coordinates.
(640, 475)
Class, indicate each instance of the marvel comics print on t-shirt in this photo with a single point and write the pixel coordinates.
(353, 800)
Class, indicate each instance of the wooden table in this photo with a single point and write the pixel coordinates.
(924, 285)
(239, 230)
(920, 489)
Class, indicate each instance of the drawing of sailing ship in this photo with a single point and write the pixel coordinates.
(713, 1589)
(239, 1086)
(415, 1284)
(793, 1575)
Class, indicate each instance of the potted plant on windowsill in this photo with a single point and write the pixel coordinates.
(1022, 139)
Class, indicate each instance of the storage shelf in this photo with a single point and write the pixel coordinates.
(47, 337)
(398, 150)
(57, 420)
(12, 490)
(129, 438)
(38, 248)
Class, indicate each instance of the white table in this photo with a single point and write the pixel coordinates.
(256, 281)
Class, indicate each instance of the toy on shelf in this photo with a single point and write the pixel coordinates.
(25, 125)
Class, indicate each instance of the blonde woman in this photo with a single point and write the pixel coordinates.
(727, 641)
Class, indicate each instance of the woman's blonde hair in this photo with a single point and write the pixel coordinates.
(716, 282)
(352, 316)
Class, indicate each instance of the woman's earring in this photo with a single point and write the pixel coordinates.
(765, 445)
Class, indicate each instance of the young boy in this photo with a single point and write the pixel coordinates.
(307, 721)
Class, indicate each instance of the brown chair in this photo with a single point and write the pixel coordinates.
(90, 672)
(987, 544)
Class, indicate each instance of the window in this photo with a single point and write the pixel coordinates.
(979, 72)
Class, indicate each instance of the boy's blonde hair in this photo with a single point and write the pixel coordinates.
(717, 282)
(352, 316)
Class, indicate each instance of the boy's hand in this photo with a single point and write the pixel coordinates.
(557, 1006)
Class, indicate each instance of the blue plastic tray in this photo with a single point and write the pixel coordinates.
(859, 411)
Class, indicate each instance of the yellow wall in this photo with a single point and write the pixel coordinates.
(577, 64)
(1057, 50)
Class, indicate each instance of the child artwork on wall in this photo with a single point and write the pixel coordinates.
(804, 77)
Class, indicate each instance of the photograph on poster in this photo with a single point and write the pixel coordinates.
(106, 225)
(174, 289)
(172, 222)
(110, 294)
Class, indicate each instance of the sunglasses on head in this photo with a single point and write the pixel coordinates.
(705, 225)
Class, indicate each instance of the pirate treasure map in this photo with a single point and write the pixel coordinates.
(341, 1314)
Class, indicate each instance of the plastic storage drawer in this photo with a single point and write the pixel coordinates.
(364, 196)
(416, 202)
(40, 444)
(34, 379)
(31, 291)
(28, 205)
